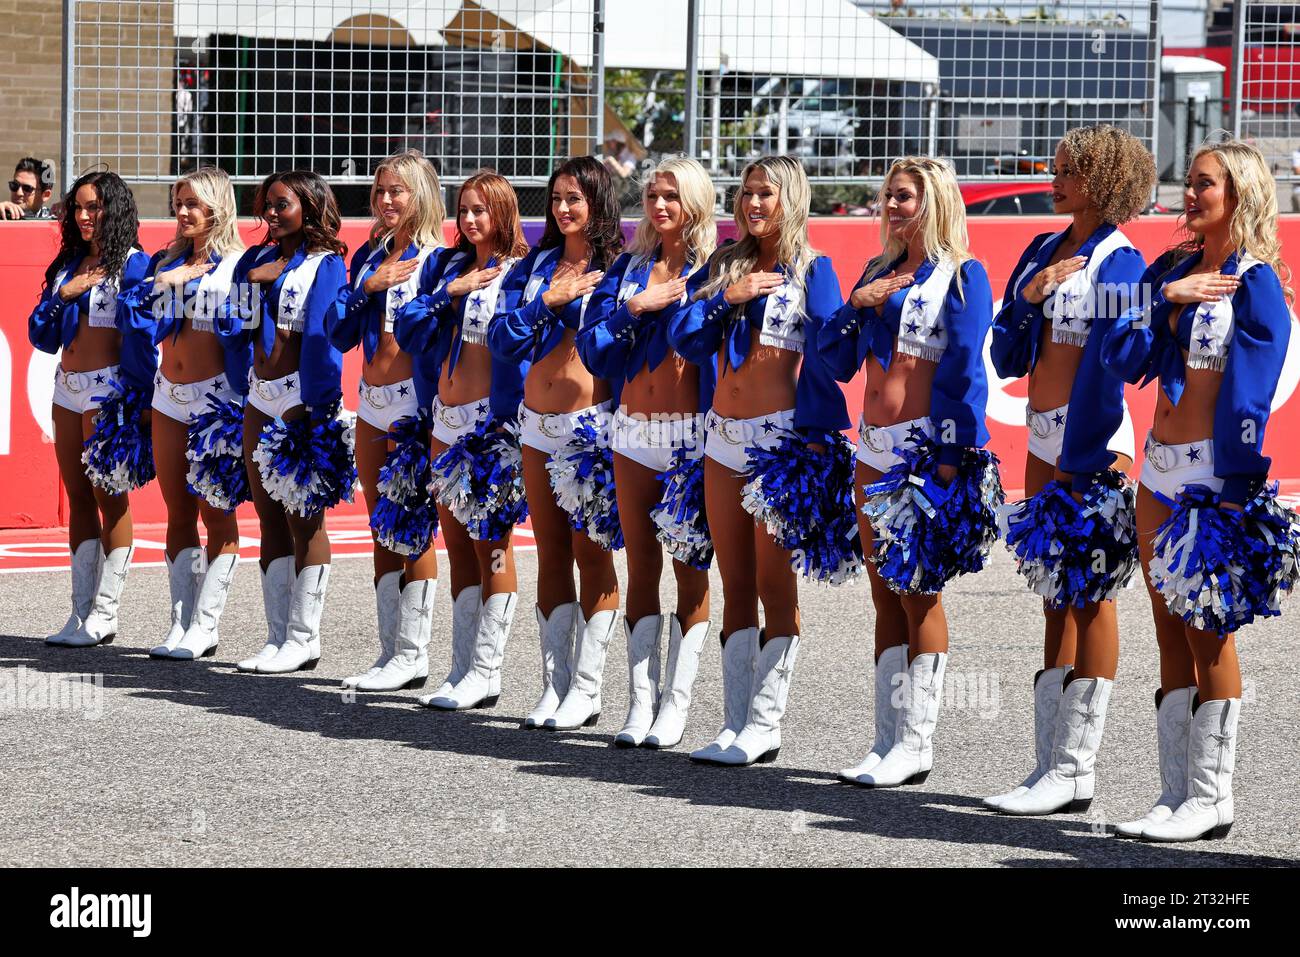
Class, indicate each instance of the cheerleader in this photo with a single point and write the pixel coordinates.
(1217, 549)
(392, 448)
(564, 428)
(658, 432)
(765, 297)
(297, 448)
(102, 389)
(917, 318)
(198, 398)
(476, 471)
(1064, 295)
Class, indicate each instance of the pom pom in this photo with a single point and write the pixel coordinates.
(307, 465)
(1219, 569)
(1075, 553)
(480, 479)
(404, 519)
(681, 525)
(215, 450)
(582, 476)
(805, 500)
(119, 453)
(927, 533)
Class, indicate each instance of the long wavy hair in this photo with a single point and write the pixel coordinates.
(794, 199)
(503, 207)
(699, 231)
(118, 231)
(320, 210)
(1253, 225)
(603, 230)
(424, 214)
(212, 188)
(942, 214)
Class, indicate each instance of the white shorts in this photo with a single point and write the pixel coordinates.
(382, 405)
(1047, 434)
(878, 445)
(547, 431)
(77, 391)
(1168, 468)
(274, 397)
(725, 439)
(181, 400)
(450, 422)
(652, 440)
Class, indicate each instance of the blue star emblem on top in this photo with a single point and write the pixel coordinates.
(783, 300)
(399, 296)
(1205, 316)
(101, 302)
(1205, 342)
(913, 327)
(918, 304)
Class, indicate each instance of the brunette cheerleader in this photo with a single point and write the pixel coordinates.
(297, 447)
(917, 318)
(392, 448)
(1073, 535)
(1217, 548)
(564, 427)
(102, 390)
(658, 432)
(476, 474)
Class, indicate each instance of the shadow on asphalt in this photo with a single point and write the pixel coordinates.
(302, 702)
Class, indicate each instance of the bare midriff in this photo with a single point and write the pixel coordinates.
(764, 383)
(1052, 378)
(559, 382)
(472, 378)
(1192, 419)
(283, 359)
(389, 363)
(900, 393)
(91, 348)
(673, 386)
(191, 355)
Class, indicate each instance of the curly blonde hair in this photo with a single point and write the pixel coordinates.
(1253, 226)
(1116, 171)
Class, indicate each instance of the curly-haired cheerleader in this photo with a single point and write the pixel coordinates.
(392, 446)
(1073, 535)
(198, 403)
(1217, 548)
(658, 438)
(297, 448)
(917, 319)
(102, 389)
(564, 427)
(771, 440)
(476, 473)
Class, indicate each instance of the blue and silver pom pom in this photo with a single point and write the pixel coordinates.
(681, 525)
(308, 464)
(1071, 552)
(805, 500)
(119, 453)
(582, 477)
(1219, 569)
(404, 519)
(215, 450)
(926, 533)
(479, 478)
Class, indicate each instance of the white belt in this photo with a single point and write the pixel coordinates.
(1170, 458)
(271, 389)
(455, 416)
(382, 396)
(876, 438)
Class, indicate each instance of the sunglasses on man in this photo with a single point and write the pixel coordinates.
(25, 188)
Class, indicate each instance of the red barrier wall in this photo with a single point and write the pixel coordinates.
(29, 485)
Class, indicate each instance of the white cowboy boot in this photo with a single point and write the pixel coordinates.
(679, 678)
(87, 559)
(910, 759)
(182, 583)
(481, 686)
(642, 678)
(409, 666)
(890, 667)
(1173, 721)
(1068, 783)
(201, 637)
(277, 588)
(1211, 758)
(100, 626)
(760, 739)
(301, 648)
(465, 610)
(581, 706)
(739, 653)
(387, 595)
(1048, 685)
(557, 633)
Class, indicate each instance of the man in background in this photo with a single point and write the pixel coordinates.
(29, 191)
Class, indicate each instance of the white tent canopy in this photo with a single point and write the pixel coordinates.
(312, 20)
